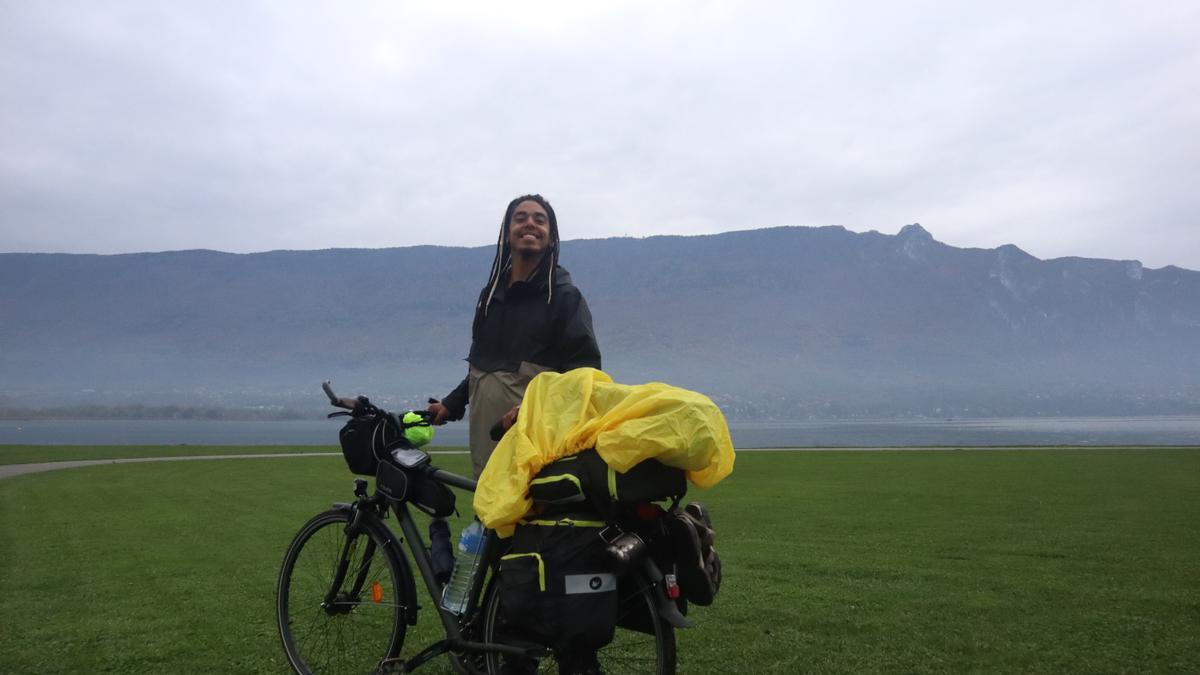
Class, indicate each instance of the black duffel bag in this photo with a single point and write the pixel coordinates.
(586, 480)
(557, 587)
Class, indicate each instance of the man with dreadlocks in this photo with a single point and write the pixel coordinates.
(529, 319)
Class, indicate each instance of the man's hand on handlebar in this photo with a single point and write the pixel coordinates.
(437, 413)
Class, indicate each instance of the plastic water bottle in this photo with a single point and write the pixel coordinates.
(466, 564)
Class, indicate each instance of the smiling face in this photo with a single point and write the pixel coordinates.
(529, 230)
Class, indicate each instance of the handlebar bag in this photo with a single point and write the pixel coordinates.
(368, 439)
(557, 586)
(364, 440)
(586, 478)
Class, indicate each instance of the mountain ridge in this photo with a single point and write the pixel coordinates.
(491, 247)
(775, 322)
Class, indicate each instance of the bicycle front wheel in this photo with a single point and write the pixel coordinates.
(352, 627)
(644, 641)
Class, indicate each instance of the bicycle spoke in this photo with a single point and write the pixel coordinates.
(354, 633)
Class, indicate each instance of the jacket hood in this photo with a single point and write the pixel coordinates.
(561, 276)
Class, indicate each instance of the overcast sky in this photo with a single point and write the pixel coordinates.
(1067, 128)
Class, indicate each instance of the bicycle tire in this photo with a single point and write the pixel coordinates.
(358, 632)
(631, 652)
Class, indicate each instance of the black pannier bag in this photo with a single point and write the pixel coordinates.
(586, 478)
(693, 539)
(425, 494)
(557, 587)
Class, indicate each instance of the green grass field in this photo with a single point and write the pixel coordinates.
(993, 561)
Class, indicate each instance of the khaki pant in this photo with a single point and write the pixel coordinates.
(491, 395)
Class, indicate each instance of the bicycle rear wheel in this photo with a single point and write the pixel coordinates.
(648, 649)
(364, 624)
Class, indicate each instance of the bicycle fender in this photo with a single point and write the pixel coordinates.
(670, 611)
(666, 606)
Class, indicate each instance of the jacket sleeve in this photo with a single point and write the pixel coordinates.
(456, 401)
(577, 345)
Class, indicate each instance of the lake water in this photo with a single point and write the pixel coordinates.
(1081, 431)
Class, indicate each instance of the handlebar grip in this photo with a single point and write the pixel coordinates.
(348, 404)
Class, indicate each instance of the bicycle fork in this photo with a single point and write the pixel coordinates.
(336, 601)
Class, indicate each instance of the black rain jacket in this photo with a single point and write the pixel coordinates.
(521, 326)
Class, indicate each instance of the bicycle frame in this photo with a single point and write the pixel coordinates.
(364, 518)
(367, 513)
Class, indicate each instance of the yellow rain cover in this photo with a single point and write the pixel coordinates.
(564, 414)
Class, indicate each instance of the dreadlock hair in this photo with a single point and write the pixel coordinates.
(503, 257)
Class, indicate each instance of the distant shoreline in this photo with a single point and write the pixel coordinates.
(91, 413)
(12, 470)
(1165, 431)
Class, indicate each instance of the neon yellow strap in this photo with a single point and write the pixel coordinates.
(565, 522)
(551, 479)
(541, 566)
(612, 483)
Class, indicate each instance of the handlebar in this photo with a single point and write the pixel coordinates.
(341, 402)
(496, 432)
(363, 405)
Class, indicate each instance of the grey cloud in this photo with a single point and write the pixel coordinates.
(1066, 130)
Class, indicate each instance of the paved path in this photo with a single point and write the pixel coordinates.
(10, 470)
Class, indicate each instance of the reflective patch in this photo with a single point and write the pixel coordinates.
(576, 584)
